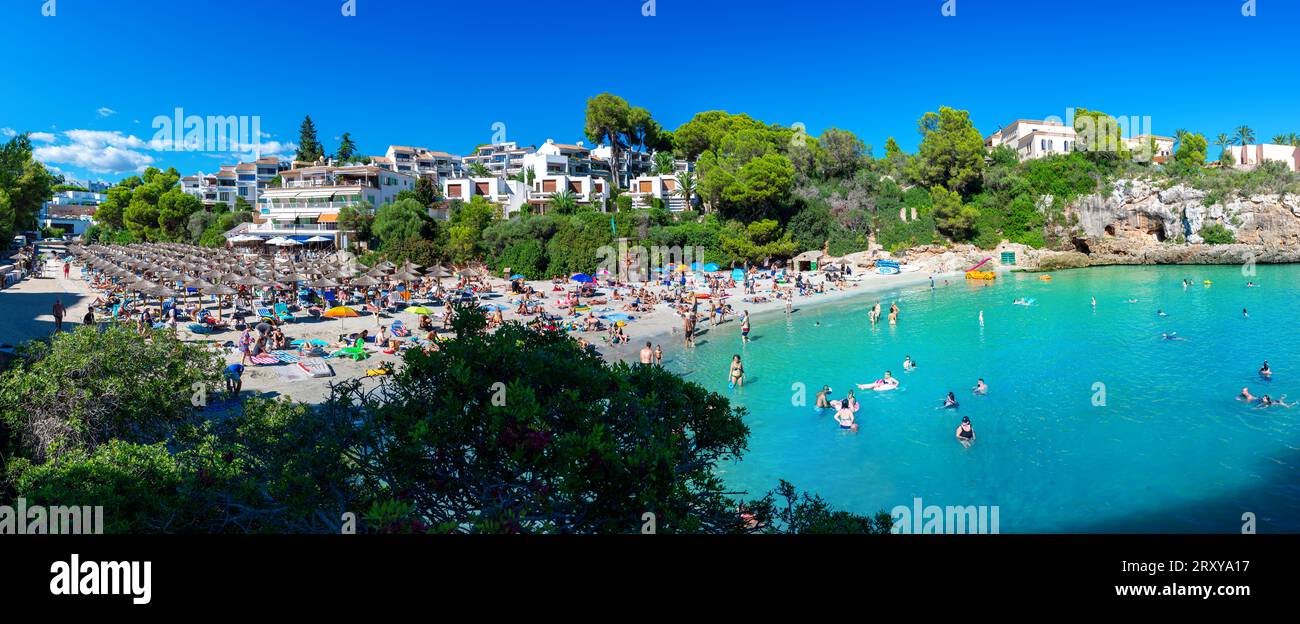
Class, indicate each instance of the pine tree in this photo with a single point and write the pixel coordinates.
(309, 149)
(347, 148)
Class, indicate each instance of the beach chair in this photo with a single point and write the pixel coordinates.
(281, 311)
(399, 329)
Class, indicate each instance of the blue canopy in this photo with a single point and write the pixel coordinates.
(582, 277)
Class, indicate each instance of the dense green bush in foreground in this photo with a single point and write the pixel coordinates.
(515, 431)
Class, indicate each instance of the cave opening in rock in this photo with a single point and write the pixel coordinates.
(1110, 230)
(1081, 244)
(1157, 231)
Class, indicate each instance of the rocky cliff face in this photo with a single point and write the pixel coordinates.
(1140, 223)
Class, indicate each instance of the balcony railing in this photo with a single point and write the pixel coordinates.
(303, 207)
(326, 183)
(294, 227)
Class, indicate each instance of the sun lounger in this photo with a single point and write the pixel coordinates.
(281, 311)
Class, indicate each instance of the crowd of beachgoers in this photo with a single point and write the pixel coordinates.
(296, 315)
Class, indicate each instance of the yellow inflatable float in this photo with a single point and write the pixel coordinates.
(981, 275)
(1045, 278)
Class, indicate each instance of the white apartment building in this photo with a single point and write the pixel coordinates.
(1251, 156)
(244, 180)
(585, 189)
(511, 195)
(552, 159)
(71, 211)
(643, 190)
(308, 200)
(631, 164)
(1034, 138)
(420, 162)
(503, 160)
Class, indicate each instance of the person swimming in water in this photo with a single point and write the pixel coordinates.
(1246, 396)
(908, 364)
(737, 373)
(950, 402)
(1161, 313)
(965, 432)
(1094, 302)
(980, 387)
(1265, 371)
(844, 416)
(824, 396)
(1268, 401)
(851, 401)
(1172, 336)
(1244, 313)
(887, 380)
(1252, 285)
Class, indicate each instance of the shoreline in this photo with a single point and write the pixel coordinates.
(666, 328)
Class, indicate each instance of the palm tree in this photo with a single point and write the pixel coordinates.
(1246, 136)
(664, 163)
(1280, 139)
(479, 170)
(1224, 142)
(564, 202)
(1179, 135)
(1293, 139)
(685, 187)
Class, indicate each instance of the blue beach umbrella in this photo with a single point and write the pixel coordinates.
(738, 274)
(517, 276)
(617, 317)
(710, 267)
(582, 277)
(492, 306)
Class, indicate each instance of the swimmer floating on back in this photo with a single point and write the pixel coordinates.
(886, 381)
(1268, 401)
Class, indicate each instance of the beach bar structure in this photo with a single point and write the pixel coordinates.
(809, 260)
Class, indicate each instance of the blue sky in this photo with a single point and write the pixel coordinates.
(91, 79)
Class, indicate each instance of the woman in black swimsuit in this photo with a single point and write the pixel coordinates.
(965, 433)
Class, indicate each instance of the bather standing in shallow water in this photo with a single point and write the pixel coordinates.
(965, 432)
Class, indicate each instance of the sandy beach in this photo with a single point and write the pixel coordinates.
(25, 314)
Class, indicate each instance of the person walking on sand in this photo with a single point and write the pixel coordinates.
(58, 315)
(66, 267)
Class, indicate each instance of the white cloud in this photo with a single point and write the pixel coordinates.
(105, 111)
(42, 137)
(98, 151)
(9, 132)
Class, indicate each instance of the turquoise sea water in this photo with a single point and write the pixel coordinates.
(1170, 451)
